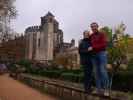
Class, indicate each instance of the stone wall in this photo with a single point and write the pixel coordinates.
(69, 59)
(67, 90)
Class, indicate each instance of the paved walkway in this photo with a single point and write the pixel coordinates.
(13, 90)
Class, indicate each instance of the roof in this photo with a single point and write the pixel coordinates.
(49, 14)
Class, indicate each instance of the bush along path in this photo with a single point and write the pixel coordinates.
(120, 79)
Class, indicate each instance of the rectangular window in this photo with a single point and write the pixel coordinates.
(39, 42)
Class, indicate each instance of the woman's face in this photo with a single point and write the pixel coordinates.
(86, 34)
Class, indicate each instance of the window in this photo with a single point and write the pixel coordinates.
(39, 42)
(51, 20)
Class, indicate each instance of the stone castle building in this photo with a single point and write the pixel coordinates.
(45, 41)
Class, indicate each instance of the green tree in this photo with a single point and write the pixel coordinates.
(116, 48)
(108, 32)
(116, 51)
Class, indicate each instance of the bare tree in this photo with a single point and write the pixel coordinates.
(9, 8)
(7, 13)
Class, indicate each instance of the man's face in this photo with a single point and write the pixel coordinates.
(94, 27)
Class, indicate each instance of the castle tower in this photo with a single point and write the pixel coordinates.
(47, 37)
(73, 43)
(45, 40)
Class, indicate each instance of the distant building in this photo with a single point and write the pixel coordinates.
(69, 59)
(45, 42)
(13, 50)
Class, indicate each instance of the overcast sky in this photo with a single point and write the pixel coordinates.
(75, 16)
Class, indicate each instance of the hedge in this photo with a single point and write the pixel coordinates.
(123, 81)
(50, 74)
(72, 77)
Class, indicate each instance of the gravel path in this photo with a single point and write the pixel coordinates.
(13, 90)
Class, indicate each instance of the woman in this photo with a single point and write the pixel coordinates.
(85, 58)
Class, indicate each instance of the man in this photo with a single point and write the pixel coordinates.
(99, 44)
(85, 58)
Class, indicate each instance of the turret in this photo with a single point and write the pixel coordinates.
(32, 29)
(72, 42)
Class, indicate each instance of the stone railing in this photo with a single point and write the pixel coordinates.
(63, 91)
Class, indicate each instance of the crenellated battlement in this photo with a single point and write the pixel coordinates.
(32, 29)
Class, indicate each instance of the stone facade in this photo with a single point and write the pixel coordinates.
(69, 59)
(44, 42)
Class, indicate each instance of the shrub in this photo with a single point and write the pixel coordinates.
(123, 81)
(25, 63)
(72, 77)
(50, 74)
(130, 65)
(12, 67)
(78, 71)
(29, 66)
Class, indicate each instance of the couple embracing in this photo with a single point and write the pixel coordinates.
(93, 55)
